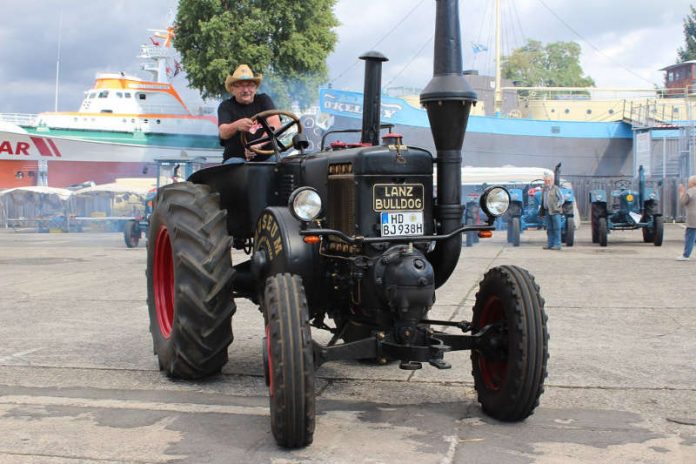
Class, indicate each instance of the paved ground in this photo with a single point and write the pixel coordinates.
(79, 383)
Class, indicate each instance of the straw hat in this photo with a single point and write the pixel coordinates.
(242, 73)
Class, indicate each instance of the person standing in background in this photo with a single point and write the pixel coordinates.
(551, 209)
(687, 197)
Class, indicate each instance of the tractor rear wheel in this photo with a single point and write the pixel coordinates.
(602, 231)
(659, 230)
(514, 231)
(509, 374)
(289, 361)
(189, 281)
(131, 233)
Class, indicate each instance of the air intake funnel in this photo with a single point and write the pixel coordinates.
(447, 98)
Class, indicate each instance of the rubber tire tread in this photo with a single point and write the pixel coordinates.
(293, 404)
(602, 231)
(203, 305)
(129, 237)
(648, 232)
(659, 230)
(570, 231)
(527, 344)
(595, 214)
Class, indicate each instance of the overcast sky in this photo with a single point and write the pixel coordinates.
(624, 42)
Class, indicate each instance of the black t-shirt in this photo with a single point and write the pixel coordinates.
(230, 111)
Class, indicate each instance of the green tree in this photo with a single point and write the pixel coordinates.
(285, 40)
(555, 65)
(688, 53)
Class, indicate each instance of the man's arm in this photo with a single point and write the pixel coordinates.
(230, 129)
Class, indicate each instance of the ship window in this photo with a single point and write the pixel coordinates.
(92, 95)
(611, 111)
(555, 129)
(107, 111)
(589, 111)
(567, 111)
(119, 94)
(142, 96)
(103, 94)
(159, 122)
(675, 110)
(146, 121)
(128, 94)
(553, 110)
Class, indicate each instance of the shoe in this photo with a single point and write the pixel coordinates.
(682, 258)
(557, 248)
(546, 247)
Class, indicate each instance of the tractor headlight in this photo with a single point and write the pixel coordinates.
(305, 204)
(495, 201)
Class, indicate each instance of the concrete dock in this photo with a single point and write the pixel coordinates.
(79, 382)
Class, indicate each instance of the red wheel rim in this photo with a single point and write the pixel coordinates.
(163, 282)
(270, 360)
(493, 372)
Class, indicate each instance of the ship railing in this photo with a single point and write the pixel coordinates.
(20, 119)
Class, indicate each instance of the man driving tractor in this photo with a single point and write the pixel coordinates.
(234, 115)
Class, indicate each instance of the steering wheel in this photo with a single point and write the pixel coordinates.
(271, 134)
(623, 184)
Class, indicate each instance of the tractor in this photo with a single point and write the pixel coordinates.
(168, 170)
(628, 210)
(349, 241)
(525, 209)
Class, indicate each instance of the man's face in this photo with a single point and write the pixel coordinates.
(548, 181)
(244, 91)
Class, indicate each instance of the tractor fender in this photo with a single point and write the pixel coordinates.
(568, 195)
(651, 194)
(598, 196)
(279, 248)
(516, 202)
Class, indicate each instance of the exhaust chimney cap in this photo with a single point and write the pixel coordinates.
(373, 55)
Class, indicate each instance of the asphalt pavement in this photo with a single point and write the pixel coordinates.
(79, 382)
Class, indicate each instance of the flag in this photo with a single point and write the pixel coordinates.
(478, 48)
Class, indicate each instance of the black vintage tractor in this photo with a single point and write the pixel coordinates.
(350, 241)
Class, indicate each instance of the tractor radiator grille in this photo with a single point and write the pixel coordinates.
(287, 186)
(341, 209)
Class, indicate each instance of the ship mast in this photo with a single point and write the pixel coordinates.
(498, 89)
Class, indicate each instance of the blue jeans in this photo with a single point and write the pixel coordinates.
(553, 230)
(689, 239)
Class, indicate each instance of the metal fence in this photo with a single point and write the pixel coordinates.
(667, 188)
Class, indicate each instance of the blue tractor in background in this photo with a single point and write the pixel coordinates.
(627, 209)
(525, 209)
(168, 171)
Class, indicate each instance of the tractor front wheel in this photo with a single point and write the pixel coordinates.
(189, 281)
(569, 231)
(602, 231)
(131, 233)
(514, 234)
(659, 230)
(509, 371)
(289, 361)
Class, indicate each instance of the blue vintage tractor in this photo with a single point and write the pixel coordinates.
(168, 171)
(627, 210)
(525, 209)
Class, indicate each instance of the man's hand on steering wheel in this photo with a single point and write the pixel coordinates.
(270, 133)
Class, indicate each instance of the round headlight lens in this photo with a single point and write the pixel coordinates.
(496, 201)
(305, 204)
